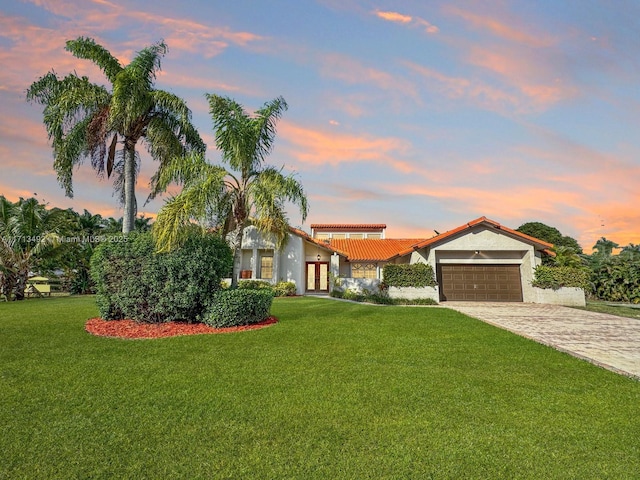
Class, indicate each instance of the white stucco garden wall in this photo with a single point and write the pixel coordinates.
(359, 285)
(567, 296)
(414, 293)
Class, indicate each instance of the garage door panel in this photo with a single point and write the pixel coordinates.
(480, 283)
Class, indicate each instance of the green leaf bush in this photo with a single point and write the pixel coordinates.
(557, 277)
(414, 275)
(280, 289)
(617, 280)
(132, 281)
(240, 306)
(254, 284)
(284, 289)
(379, 298)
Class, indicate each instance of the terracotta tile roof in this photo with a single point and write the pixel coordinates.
(478, 221)
(348, 226)
(373, 250)
(320, 243)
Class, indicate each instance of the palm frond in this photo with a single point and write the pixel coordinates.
(265, 123)
(174, 111)
(235, 136)
(88, 49)
(271, 187)
(68, 152)
(147, 62)
(177, 213)
(181, 170)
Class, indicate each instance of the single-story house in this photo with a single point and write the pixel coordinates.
(481, 260)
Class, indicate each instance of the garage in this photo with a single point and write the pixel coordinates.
(480, 283)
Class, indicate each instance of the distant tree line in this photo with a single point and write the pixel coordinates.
(36, 239)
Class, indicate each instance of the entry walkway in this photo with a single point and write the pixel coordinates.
(608, 341)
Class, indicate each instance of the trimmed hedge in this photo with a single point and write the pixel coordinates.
(414, 275)
(236, 307)
(132, 281)
(557, 277)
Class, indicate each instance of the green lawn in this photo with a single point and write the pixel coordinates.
(335, 390)
(619, 309)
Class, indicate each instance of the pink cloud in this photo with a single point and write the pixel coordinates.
(352, 71)
(478, 92)
(406, 20)
(394, 16)
(536, 78)
(317, 147)
(509, 28)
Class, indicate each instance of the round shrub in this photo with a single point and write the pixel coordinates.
(284, 289)
(132, 281)
(232, 308)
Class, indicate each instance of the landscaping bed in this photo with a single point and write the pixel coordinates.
(136, 330)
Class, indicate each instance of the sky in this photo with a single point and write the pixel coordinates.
(422, 115)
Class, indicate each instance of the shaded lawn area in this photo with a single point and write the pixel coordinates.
(335, 390)
(619, 309)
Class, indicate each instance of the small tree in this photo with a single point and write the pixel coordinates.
(248, 192)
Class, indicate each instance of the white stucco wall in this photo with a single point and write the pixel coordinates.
(288, 263)
(567, 296)
(358, 285)
(414, 293)
(291, 263)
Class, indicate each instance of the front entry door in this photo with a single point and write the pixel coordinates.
(317, 277)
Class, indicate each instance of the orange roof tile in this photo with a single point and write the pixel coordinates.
(469, 225)
(372, 249)
(348, 226)
(320, 243)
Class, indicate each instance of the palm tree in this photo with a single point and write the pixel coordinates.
(248, 192)
(604, 248)
(566, 257)
(85, 120)
(28, 231)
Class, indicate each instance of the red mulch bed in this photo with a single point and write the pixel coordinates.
(131, 329)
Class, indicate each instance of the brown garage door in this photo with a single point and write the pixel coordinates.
(480, 283)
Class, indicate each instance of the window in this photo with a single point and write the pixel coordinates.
(266, 268)
(322, 236)
(339, 236)
(364, 270)
(356, 235)
(374, 236)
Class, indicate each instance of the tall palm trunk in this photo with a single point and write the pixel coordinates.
(237, 254)
(7, 284)
(130, 206)
(22, 275)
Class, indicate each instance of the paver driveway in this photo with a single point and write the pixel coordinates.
(606, 340)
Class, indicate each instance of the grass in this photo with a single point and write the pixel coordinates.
(621, 309)
(335, 390)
